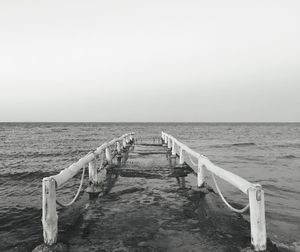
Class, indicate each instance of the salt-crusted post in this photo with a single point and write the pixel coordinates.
(108, 156)
(257, 218)
(181, 162)
(131, 138)
(165, 140)
(93, 176)
(124, 143)
(173, 148)
(119, 154)
(200, 173)
(173, 155)
(169, 143)
(118, 147)
(49, 214)
(181, 157)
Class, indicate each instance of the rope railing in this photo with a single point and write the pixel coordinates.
(253, 191)
(117, 147)
(191, 160)
(77, 193)
(225, 201)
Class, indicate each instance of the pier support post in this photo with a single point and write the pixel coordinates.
(181, 163)
(49, 214)
(200, 173)
(165, 141)
(257, 218)
(94, 187)
(108, 156)
(173, 156)
(124, 143)
(181, 157)
(93, 178)
(169, 143)
(119, 155)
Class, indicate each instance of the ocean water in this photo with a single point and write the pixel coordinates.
(264, 153)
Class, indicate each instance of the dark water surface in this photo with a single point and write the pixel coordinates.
(267, 154)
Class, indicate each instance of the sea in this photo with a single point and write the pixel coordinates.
(263, 153)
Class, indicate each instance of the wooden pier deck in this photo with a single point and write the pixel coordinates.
(145, 206)
(146, 210)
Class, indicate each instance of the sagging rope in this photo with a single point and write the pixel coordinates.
(224, 200)
(77, 194)
(193, 163)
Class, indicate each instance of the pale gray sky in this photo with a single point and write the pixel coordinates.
(150, 60)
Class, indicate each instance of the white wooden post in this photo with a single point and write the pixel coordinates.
(257, 218)
(49, 214)
(130, 137)
(169, 143)
(108, 155)
(173, 148)
(118, 147)
(124, 142)
(200, 173)
(181, 157)
(93, 176)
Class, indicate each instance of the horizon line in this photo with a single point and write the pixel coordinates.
(149, 121)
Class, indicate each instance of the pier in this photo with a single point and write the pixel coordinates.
(152, 196)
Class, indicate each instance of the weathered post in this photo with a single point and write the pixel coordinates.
(49, 214)
(119, 154)
(108, 156)
(181, 163)
(165, 140)
(181, 157)
(93, 178)
(131, 139)
(257, 218)
(169, 143)
(118, 147)
(200, 173)
(173, 155)
(173, 148)
(124, 143)
(94, 188)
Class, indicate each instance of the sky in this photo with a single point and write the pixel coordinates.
(150, 61)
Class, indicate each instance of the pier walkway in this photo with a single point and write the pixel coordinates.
(146, 210)
(146, 204)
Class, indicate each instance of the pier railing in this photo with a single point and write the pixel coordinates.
(106, 152)
(253, 191)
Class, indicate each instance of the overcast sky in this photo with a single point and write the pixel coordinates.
(150, 60)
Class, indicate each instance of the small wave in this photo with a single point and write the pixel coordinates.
(24, 175)
(233, 145)
(285, 145)
(244, 144)
(12, 217)
(37, 154)
(287, 157)
(59, 130)
(294, 247)
(277, 189)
